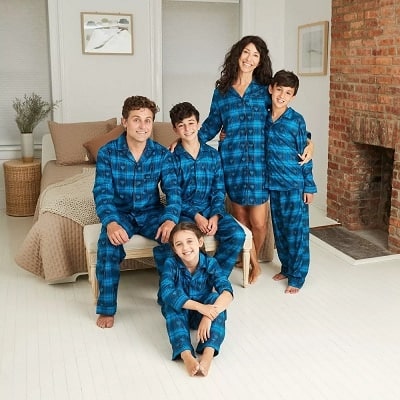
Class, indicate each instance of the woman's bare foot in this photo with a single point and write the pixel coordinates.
(278, 277)
(255, 272)
(191, 364)
(105, 321)
(206, 360)
(292, 290)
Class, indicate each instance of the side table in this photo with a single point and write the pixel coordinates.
(22, 183)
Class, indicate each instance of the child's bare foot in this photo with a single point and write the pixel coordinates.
(191, 364)
(206, 360)
(292, 290)
(105, 321)
(278, 277)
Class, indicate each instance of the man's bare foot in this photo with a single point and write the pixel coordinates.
(255, 272)
(206, 360)
(292, 290)
(105, 321)
(191, 364)
(278, 277)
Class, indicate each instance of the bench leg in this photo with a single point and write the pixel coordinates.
(246, 267)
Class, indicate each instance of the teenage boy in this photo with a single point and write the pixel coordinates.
(201, 179)
(290, 182)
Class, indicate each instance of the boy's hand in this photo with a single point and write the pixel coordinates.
(202, 223)
(308, 198)
(116, 234)
(212, 225)
(209, 310)
(164, 231)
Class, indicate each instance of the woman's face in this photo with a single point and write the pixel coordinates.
(249, 60)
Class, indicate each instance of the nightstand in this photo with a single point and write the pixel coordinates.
(22, 183)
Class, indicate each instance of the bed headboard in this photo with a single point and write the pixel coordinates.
(48, 152)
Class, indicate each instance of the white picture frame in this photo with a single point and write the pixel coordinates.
(107, 33)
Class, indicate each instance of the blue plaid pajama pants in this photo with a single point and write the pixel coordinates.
(179, 323)
(290, 221)
(109, 258)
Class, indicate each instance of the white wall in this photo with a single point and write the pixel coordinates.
(312, 100)
(93, 87)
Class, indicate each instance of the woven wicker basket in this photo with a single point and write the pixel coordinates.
(22, 184)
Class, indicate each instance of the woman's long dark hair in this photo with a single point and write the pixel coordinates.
(230, 68)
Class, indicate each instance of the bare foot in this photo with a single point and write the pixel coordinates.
(105, 321)
(292, 290)
(278, 277)
(191, 364)
(255, 272)
(206, 360)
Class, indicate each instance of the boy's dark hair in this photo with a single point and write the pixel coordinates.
(136, 103)
(287, 79)
(181, 111)
(185, 226)
(230, 68)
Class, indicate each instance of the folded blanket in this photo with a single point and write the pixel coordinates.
(72, 198)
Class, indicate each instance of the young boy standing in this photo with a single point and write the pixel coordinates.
(200, 177)
(290, 182)
(129, 170)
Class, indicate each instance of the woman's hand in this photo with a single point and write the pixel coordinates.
(307, 153)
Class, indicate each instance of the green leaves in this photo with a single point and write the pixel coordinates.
(31, 110)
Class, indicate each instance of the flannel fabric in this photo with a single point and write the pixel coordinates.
(243, 150)
(287, 182)
(203, 192)
(177, 286)
(127, 192)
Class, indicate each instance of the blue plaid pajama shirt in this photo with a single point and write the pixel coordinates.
(203, 191)
(126, 191)
(287, 182)
(243, 149)
(177, 286)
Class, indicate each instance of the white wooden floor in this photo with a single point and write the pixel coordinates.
(338, 339)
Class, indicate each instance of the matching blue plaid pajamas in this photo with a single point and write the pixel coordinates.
(203, 191)
(243, 149)
(126, 191)
(177, 286)
(287, 182)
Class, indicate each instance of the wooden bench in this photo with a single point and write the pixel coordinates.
(141, 247)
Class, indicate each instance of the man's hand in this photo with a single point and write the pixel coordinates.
(116, 234)
(164, 231)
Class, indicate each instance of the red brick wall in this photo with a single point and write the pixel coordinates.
(364, 113)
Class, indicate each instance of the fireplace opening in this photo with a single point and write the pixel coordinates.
(376, 173)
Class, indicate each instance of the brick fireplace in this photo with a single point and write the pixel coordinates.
(364, 122)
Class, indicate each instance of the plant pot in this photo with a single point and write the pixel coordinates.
(27, 147)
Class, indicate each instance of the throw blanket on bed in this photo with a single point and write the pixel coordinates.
(72, 198)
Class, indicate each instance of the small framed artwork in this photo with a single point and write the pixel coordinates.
(312, 53)
(106, 33)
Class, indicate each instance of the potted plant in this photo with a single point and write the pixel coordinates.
(30, 110)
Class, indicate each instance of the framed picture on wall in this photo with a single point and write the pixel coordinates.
(312, 53)
(106, 33)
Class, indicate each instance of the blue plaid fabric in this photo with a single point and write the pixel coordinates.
(177, 286)
(203, 192)
(286, 138)
(127, 192)
(243, 149)
(288, 181)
